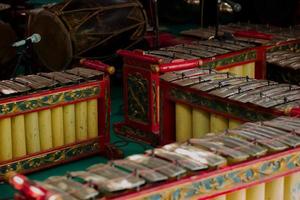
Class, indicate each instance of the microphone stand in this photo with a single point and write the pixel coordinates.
(24, 61)
(217, 20)
(220, 9)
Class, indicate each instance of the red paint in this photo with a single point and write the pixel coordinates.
(254, 34)
(151, 67)
(95, 64)
(103, 116)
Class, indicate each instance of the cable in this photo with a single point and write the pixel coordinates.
(125, 142)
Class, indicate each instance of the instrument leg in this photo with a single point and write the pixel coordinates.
(69, 124)
(275, 189)
(292, 187)
(256, 192)
(32, 132)
(81, 121)
(238, 195)
(18, 136)
(200, 123)
(234, 123)
(249, 70)
(183, 122)
(58, 127)
(238, 70)
(92, 118)
(45, 129)
(218, 123)
(5, 140)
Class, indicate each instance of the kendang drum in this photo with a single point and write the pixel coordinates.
(91, 28)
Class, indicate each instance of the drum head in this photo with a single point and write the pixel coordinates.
(8, 37)
(54, 50)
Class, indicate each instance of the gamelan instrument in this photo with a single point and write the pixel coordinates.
(141, 71)
(198, 101)
(270, 38)
(254, 33)
(254, 161)
(284, 64)
(91, 28)
(51, 118)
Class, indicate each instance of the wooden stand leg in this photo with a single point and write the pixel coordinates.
(183, 123)
(218, 123)
(92, 118)
(18, 136)
(234, 123)
(249, 70)
(69, 124)
(32, 133)
(292, 187)
(201, 123)
(238, 70)
(275, 189)
(256, 192)
(5, 140)
(238, 195)
(58, 127)
(81, 121)
(45, 127)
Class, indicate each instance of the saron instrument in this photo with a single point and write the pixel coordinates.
(198, 101)
(142, 69)
(253, 161)
(91, 28)
(284, 64)
(51, 118)
(260, 34)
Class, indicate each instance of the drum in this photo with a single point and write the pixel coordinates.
(91, 28)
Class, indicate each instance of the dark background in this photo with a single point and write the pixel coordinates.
(275, 12)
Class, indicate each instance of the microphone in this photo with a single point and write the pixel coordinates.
(35, 38)
(235, 6)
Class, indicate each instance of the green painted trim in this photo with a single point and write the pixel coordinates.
(49, 100)
(219, 106)
(230, 179)
(252, 55)
(44, 159)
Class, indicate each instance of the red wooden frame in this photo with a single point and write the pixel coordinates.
(150, 68)
(168, 100)
(166, 189)
(68, 152)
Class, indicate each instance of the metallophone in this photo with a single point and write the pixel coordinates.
(284, 64)
(198, 101)
(264, 35)
(254, 161)
(141, 71)
(271, 38)
(51, 118)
